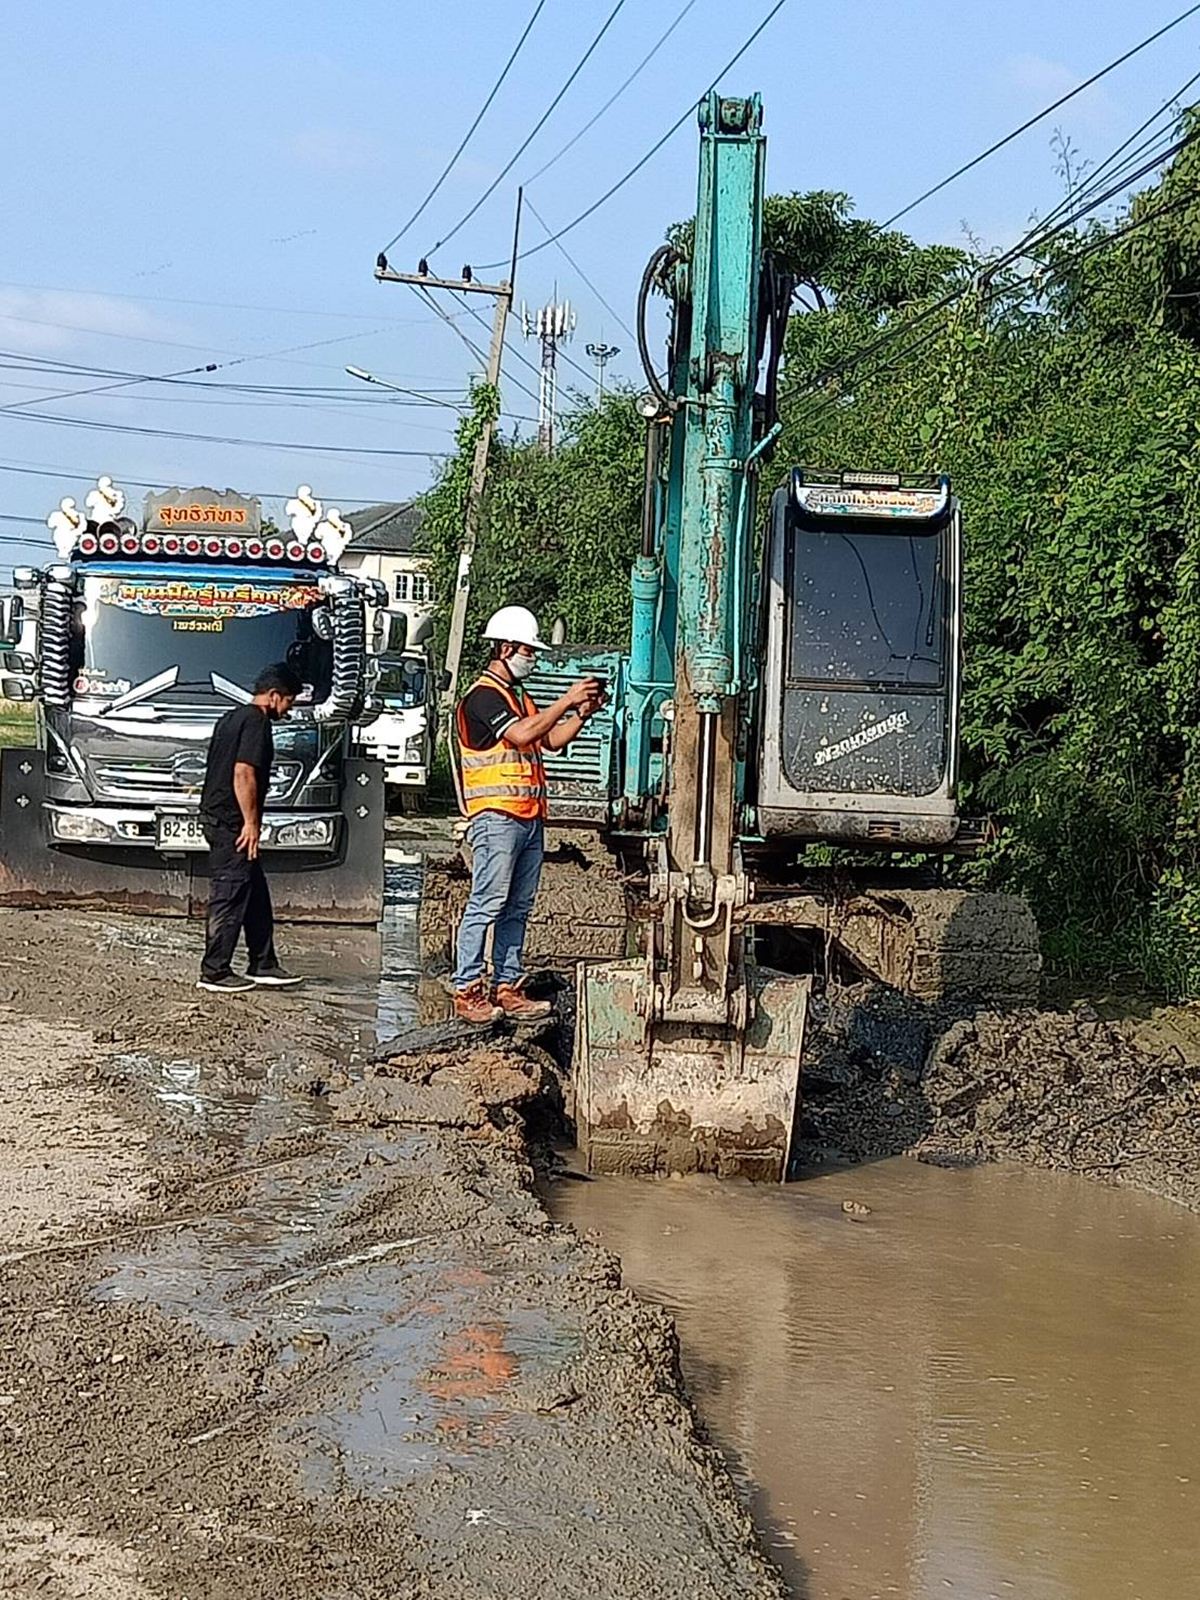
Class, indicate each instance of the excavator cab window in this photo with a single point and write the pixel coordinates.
(865, 606)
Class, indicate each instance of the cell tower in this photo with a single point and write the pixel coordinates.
(553, 325)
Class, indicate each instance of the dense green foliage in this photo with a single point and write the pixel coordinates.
(1062, 395)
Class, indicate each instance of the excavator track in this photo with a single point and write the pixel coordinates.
(934, 944)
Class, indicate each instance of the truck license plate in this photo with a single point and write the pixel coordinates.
(181, 833)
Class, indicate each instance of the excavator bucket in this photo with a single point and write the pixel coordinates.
(661, 1097)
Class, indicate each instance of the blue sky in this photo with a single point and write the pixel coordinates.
(210, 183)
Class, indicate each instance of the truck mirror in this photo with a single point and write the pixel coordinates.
(12, 618)
(391, 632)
(19, 689)
(420, 632)
(444, 682)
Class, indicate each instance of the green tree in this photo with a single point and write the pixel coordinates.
(558, 533)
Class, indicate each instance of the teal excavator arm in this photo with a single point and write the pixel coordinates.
(688, 1055)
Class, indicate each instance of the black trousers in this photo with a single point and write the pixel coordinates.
(239, 900)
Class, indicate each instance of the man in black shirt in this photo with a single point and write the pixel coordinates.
(231, 808)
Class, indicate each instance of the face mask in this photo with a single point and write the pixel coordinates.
(521, 666)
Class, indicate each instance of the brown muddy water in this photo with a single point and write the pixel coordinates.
(987, 1387)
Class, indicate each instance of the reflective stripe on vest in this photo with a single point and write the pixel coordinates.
(501, 778)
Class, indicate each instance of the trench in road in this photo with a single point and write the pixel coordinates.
(988, 1386)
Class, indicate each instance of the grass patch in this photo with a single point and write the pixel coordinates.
(16, 724)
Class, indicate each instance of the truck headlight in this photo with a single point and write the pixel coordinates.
(76, 827)
(414, 748)
(309, 833)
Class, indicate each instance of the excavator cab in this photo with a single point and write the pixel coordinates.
(861, 626)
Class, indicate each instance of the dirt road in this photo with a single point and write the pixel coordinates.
(260, 1342)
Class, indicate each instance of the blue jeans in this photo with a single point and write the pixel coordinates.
(506, 863)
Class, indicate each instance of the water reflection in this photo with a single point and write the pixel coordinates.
(988, 1386)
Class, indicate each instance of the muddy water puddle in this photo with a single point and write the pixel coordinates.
(368, 980)
(362, 985)
(387, 1358)
(988, 1386)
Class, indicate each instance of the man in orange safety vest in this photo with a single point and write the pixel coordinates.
(501, 736)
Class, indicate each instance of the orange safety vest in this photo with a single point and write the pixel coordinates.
(501, 778)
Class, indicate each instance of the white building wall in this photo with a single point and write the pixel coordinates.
(406, 578)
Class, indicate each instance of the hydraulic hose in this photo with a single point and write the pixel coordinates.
(665, 254)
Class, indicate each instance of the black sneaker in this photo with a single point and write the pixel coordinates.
(229, 984)
(275, 977)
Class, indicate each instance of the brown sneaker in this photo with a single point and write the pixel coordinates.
(473, 1004)
(515, 1003)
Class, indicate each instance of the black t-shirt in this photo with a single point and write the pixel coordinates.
(487, 714)
(243, 734)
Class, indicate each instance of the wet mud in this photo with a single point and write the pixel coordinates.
(287, 1318)
(1117, 1101)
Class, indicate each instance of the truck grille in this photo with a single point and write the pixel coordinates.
(142, 780)
(148, 777)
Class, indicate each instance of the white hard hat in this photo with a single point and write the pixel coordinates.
(514, 625)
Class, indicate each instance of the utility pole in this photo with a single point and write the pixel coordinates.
(601, 354)
(552, 325)
(502, 294)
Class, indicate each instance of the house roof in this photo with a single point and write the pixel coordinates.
(386, 529)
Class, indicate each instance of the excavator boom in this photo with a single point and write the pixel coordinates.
(688, 1056)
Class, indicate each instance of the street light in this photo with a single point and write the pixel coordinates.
(602, 354)
(426, 399)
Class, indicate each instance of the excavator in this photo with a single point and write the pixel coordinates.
(792, 681)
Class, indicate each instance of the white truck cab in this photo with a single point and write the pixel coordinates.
(402, 734)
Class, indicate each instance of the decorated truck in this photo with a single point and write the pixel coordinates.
(132, 643)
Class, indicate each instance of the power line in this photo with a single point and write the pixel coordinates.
(537, 128)
(424, 398)
(1041, 115)
(27, 361)
(823, 403)
(571, 261)
(62, 474)
(470, 344)
(1038, 235)
(177, 344)
(653, 150)
(613, 98)
(1093, 178)
(445, 172)
(336, 405)
(214, 305)
(299, 446)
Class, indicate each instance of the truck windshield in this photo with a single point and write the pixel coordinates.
(130, 629)
(402, 684)
(866, 607)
